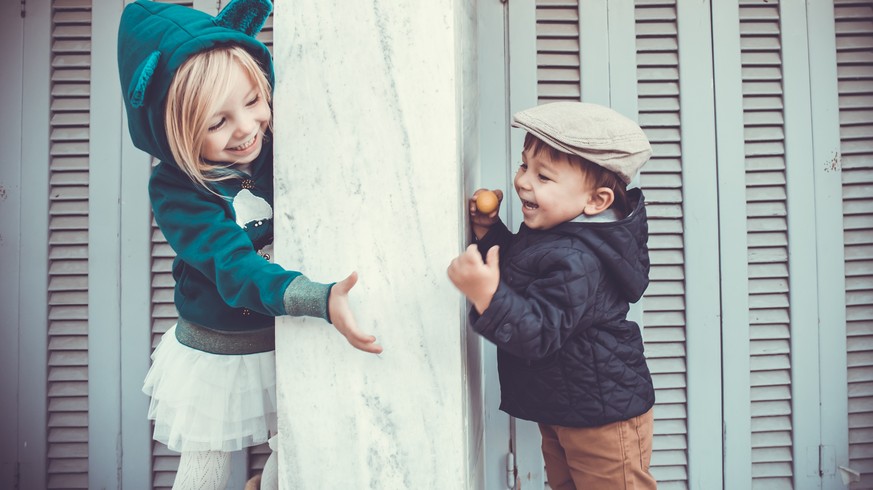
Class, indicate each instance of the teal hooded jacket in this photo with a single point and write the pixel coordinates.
(222, 282)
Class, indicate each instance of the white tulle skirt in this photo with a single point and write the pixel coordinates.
(210, 402)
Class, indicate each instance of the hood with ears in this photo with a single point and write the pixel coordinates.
(155, 39)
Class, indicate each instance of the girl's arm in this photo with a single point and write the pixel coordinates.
(554, 306)
(205, 237)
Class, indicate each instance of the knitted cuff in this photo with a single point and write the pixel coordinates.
(306, 298)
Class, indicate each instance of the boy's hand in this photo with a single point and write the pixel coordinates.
(476, 279)
(481, 222)
(343, 319)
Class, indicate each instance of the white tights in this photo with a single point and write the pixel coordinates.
(203, 470)
(210, 470)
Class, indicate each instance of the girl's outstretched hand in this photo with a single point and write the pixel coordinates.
(482, 222)
(476, 279)
(343, 319)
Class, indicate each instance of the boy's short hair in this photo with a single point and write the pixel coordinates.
(593, 132)
(595, 175)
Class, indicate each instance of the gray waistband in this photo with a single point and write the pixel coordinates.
(224, 342)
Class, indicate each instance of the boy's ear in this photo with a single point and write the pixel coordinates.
(599, 201)
(246, 16)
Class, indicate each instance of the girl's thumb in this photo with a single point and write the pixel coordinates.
(492, 260)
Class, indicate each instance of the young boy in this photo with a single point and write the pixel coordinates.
(554, 297)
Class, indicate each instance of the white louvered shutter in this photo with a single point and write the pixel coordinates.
(67, 445)
(766, 210)
(558, 50)
(661, 180)
(854, 31)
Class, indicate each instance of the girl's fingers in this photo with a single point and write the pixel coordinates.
(348, 283)
(371, 348)
(361, 340)
(366, 344)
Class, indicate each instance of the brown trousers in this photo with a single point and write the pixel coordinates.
(612, 456)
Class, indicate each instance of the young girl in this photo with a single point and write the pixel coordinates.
(197, 92)
(554, 297)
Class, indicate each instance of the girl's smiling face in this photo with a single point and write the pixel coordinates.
(235, 131)
(552, 191)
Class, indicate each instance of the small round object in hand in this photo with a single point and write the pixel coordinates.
(487, 202)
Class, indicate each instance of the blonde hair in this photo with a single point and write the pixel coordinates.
(198, 89)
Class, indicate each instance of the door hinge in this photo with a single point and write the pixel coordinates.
(510, 470)
(827, 461)
(23, 8)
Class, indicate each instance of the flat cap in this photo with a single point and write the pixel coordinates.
(591, 131)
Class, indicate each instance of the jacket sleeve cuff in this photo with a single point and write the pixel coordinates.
(306, 298)
(486, 322)
(497, 235)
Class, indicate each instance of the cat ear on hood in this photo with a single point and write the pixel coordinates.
(246, 16)
(136, 93)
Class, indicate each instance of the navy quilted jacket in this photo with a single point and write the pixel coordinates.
(567, 355)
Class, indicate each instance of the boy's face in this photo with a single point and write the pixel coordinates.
(235, 132)
(551, 191)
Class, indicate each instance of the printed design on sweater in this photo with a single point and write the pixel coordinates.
(249, 207)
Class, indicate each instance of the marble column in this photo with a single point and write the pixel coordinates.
(375, 110)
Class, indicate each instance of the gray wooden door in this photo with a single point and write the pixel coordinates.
(627, 58)
(24, 180)
(746, 311)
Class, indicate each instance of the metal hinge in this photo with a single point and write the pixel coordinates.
(827, 461)
(510, 470)
(23, 8)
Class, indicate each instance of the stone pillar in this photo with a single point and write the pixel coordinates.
(375, 110)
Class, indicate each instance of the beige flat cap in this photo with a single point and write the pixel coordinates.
(593, 132)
